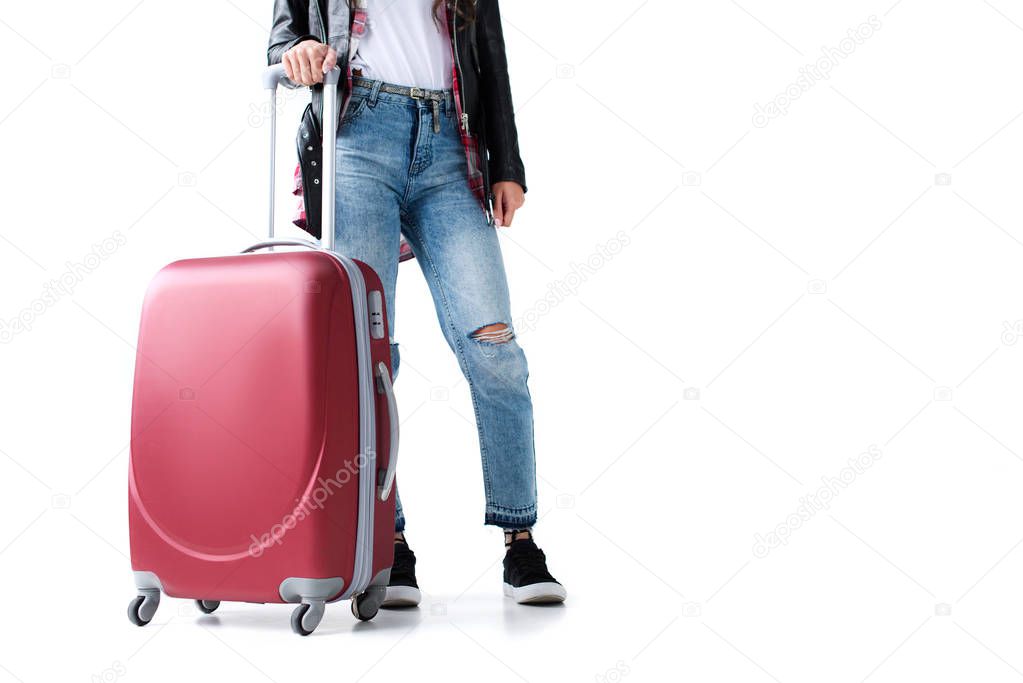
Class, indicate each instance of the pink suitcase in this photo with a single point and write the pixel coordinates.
(264, 427)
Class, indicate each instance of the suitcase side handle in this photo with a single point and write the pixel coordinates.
(387, 483)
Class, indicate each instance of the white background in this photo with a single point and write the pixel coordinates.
(846, 277)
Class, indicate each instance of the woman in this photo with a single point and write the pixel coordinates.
(427, 150)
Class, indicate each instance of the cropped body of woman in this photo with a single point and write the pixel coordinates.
(427, 150)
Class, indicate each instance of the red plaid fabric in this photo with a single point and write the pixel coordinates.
(469, 142)
(299, 218)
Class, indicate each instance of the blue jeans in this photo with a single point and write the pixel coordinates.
(396, 176)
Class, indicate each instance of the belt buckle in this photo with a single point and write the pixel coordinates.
(415, 93)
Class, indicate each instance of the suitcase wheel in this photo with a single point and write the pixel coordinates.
(142, 609)
(306, 618)
(366, 605)
(207, 606)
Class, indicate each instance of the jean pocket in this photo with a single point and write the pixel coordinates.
(356, 105)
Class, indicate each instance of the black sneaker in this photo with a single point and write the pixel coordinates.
(402, 590)
(526, 579)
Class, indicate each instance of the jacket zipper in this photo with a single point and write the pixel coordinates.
(458, 66)
(461, 103)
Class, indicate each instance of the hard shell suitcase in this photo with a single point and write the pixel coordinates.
(264, 428)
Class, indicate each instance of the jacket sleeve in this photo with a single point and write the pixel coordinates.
(495, 92)
(290, 27)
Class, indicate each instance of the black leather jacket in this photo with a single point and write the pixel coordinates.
(483, 84)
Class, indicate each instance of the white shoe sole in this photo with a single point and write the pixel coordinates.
(536, 593)
(402, 596)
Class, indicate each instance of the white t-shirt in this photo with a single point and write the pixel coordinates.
(403, 45)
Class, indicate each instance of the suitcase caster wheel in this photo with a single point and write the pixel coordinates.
(365, 606)
(306, 617)
(142, 609)
(207, 606)
(133, 611)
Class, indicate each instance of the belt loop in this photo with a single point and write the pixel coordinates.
(374, 91)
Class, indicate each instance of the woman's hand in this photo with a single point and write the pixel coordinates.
(508, 197)
(306, 63)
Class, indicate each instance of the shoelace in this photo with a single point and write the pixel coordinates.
(531, 560)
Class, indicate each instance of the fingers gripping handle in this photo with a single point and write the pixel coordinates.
(387, 483)
(273, 77)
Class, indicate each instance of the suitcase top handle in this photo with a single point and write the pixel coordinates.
(288, 242)
(273, 77)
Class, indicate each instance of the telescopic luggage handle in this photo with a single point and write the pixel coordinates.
(273, 77)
